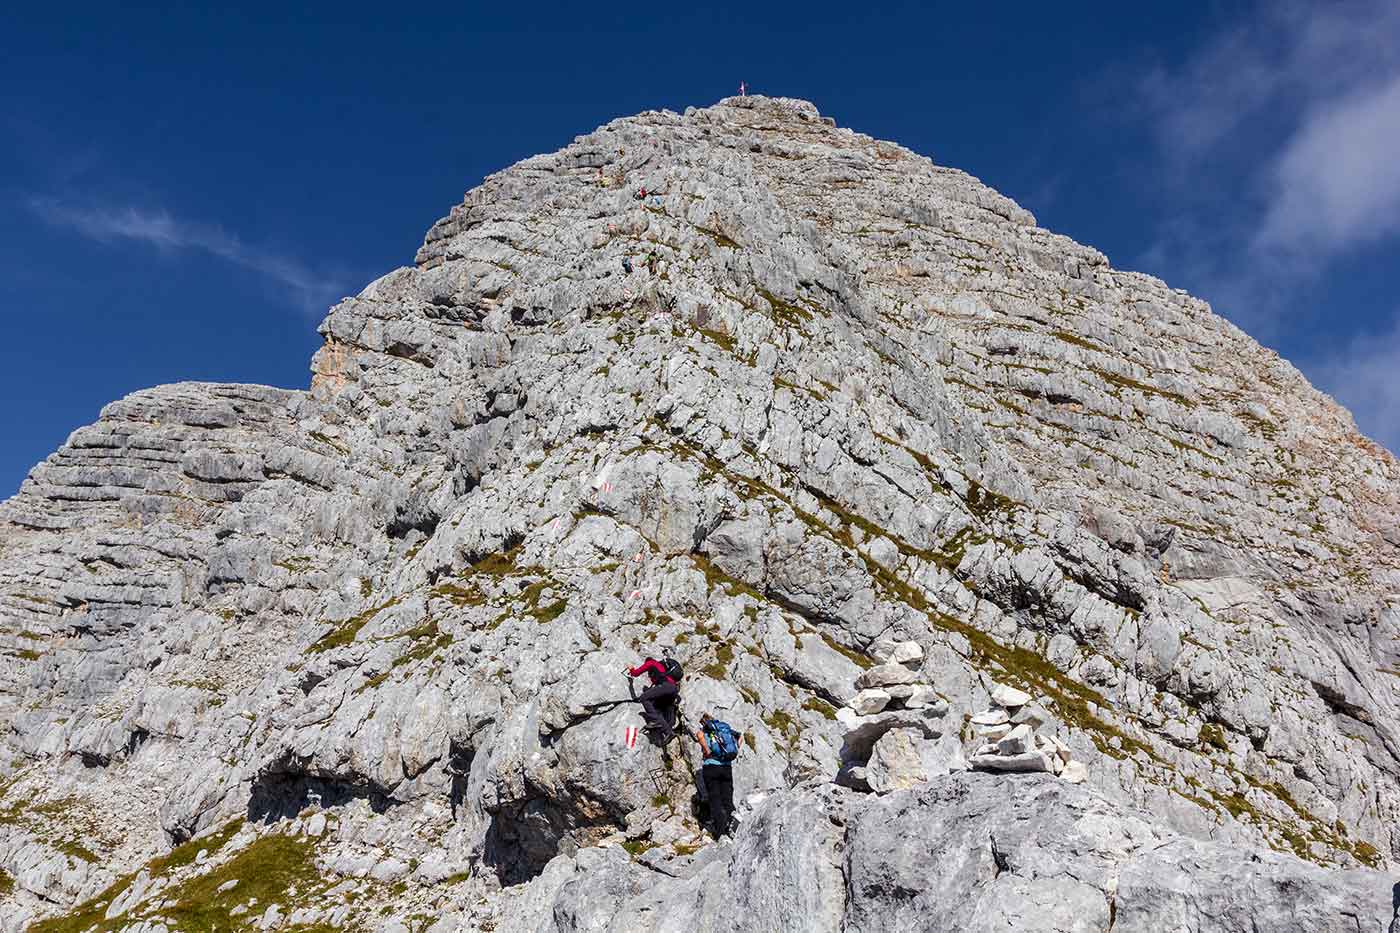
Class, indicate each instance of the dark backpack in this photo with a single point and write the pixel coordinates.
(723, 741)
(673, 669)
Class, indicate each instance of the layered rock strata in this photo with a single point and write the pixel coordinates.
(347, 642)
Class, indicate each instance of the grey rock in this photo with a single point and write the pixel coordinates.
(914, 696)
(862, 401)
(1180, 886)
(993, 733)
(1032, 714)
(870, 701)
(963, 852)
(862, 732)
(1020, 739)
(899, 652)
(885, 675)
(1025, 761)
(895, 763)
(1009, 697)
(942, 756)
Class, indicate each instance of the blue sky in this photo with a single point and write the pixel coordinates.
(183, 192)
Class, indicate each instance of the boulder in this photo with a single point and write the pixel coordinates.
(1032, 714)
(1064, 859)
(1020, 739)
(1023, 762)
(912, 696)
(942, 756)
(895, 763)
(1051, 753)
(993, 733)
(991, 717)
(899, 652)
(885, 675)
(1009, 697)
(870, 701)
(1074, 771)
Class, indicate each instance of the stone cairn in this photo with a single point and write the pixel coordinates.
(895, 735)
(894, 726)
(892, 683)
(1012, 739)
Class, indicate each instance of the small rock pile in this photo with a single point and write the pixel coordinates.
(894, 735)
(1011, 740)
(892, 683)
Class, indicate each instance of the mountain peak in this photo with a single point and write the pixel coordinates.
(905, 482)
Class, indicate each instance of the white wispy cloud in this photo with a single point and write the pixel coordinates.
(311, 290)
(1289, 119)
(1279, 157)
(1273, 61)
(1362, 376)
(1336, 183)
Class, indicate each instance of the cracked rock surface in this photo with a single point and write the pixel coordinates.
(274, 658)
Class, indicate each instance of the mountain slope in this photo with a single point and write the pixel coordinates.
(844, 397)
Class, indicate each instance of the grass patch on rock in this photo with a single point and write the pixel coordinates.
(551, 612)
(346, 631)
(274, 869)
(785, 311)
(714, 577)
(636, 847)
(459, 596)
(1124, 382)
(500, 564)
(718, 337)
(719, 668)
(855, 657)
(91, 915)
(1076, 340)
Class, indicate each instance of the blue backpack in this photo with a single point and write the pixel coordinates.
(723, 741)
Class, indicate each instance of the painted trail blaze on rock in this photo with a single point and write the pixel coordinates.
(1041, 596)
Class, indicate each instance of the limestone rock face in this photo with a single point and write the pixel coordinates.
(814, 409)
(963, 852)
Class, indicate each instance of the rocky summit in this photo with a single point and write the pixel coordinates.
(1042, 598)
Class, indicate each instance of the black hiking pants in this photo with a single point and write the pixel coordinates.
(719, 793)
(658, 704)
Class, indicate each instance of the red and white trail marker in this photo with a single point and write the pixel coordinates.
(630, 736)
